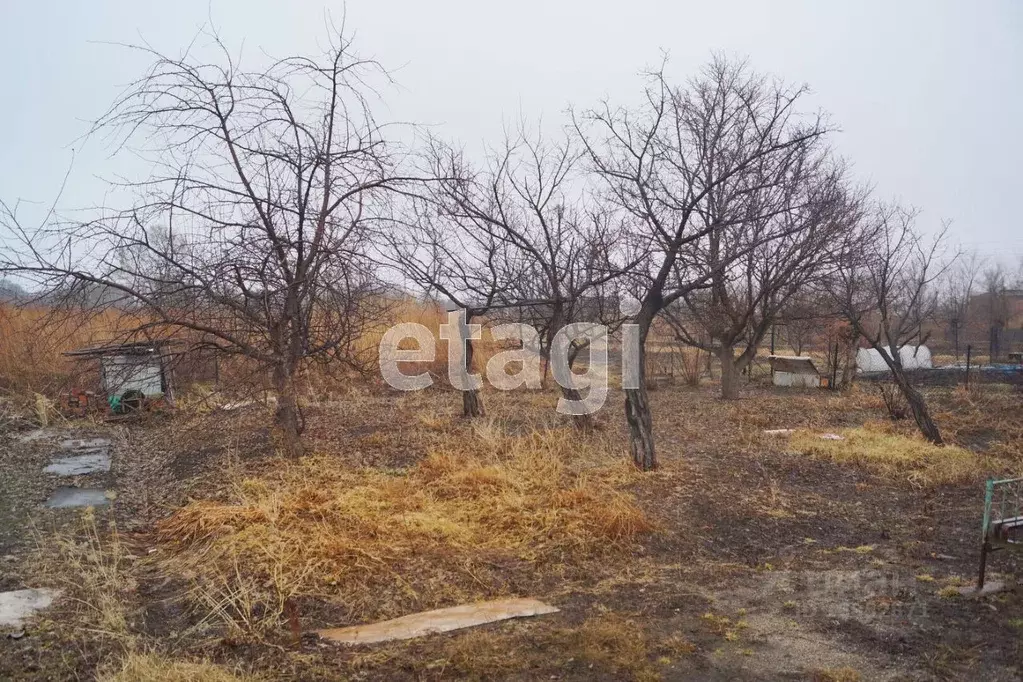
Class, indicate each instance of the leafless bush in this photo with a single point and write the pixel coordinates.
(894, 401)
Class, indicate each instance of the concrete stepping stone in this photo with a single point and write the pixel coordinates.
(63, 498)
(17, 606)
(90, 463)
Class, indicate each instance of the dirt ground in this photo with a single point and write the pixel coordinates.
(763, 563)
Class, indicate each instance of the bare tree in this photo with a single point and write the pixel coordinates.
(662, 163)
(447, 251)
(803, 319)
(250, 231)
(957, 294)
(773, 233)
(511, 239)
(996, 302)
(886, 289)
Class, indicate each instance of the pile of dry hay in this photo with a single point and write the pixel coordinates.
(879, 448)
(380, 542)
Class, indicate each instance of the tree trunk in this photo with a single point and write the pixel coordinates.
(641, 431)
(729, 372)
(287, 417)
(637, 414)
(919, 408)
(545, 367)
(849, 368)
(583, 422)
(472, 404)
(472, 401)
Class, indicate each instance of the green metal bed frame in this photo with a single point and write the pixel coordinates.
(1003, 519)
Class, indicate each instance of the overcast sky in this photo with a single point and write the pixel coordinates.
(927, 94)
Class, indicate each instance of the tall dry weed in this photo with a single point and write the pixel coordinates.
(379, 541)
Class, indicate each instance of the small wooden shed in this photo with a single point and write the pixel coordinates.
(139, 369)
(794, 371)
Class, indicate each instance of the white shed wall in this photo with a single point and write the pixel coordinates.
(791, 379)
(127, 372)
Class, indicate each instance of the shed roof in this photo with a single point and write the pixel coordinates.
(135, 348)
(792, 364)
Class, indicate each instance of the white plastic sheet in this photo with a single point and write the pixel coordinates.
(913, 357)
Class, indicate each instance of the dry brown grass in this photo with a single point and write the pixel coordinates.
(878, 447)
(615, 642)
(33, 340)
(985, 416)
(381, 542)
(606, 645)
(152, 667)
(607, 642)
(89, 563)
(845, 674)
(33, 371)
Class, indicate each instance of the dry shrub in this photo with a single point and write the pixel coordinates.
(880, 449)
(152, 667)
(894, 400)
(987, 418)
(91, 567)
(433, 317)
(368, 538)
(690, 365)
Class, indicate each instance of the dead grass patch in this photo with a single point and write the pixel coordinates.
(770, 501)
(483, 655)
(845, 674)
(152, 667)
(91, 568)
(607, 645)
(381, 542)
(894, 455)
(615, 642)
(983, 418)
